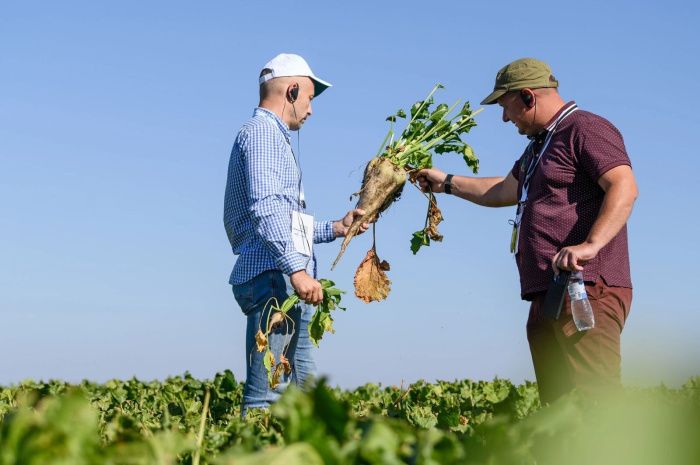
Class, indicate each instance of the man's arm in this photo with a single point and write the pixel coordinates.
(488, 192)
(620, 193)
(327, 231)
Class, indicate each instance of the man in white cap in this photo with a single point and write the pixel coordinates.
(268, 228)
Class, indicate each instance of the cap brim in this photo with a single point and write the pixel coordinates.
(493, 97)
(319, 85)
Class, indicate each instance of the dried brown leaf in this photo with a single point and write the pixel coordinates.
(277, 375)
(371, 281)
(434, 218)
(260, 340)
(284, 361)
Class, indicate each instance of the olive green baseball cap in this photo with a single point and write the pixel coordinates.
(525, 73)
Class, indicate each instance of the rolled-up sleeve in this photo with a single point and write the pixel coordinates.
(323, 232)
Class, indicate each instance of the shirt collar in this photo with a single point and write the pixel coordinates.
(550, 125)
(268, 114)
(540, 136)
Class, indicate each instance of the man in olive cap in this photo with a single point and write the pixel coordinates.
(574, 190)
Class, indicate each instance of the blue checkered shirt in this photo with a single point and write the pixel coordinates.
(262, 190)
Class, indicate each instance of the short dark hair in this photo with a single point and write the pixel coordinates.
(263, 85)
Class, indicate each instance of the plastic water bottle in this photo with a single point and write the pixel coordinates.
(580, 306)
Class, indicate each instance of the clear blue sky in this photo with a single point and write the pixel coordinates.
(116, 124)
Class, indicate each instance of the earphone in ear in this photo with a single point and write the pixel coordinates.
(293, 93)
(527, 98)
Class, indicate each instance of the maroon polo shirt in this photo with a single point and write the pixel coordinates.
(564, 199)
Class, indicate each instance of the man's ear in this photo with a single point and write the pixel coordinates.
(528, 97)
(293, 92)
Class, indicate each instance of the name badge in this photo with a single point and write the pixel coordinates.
(303, 233)
(514, 237)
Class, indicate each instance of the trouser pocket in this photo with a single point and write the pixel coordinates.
(254, 294)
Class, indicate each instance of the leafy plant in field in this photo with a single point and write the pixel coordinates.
(461, 422)
(64, 430)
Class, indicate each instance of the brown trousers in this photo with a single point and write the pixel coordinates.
(565, 358)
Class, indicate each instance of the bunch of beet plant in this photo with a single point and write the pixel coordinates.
(432, 129)
(321, 322)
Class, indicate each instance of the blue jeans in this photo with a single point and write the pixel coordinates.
(254, 297)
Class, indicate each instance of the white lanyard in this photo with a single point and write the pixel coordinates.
(287, 137)
(302, 196)
(302, 224)
(515, 238)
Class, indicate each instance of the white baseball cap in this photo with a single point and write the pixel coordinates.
(288, 64)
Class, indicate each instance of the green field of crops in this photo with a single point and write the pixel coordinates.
(184, 421)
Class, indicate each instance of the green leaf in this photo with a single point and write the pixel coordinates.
(415, 107)
(448, 147)
(421, 109)
(300, 453)
(470, 158)
(268, 359)
(422, 416)
(439, 129)
(290, 302)
(399, 114)
(420, 158)
(330, 411)
(414, 130)
(332, 291)
(380, 445)
(439, 112)
(419, 239)
(319, 324)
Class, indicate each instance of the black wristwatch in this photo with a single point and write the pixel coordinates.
(447, 184)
